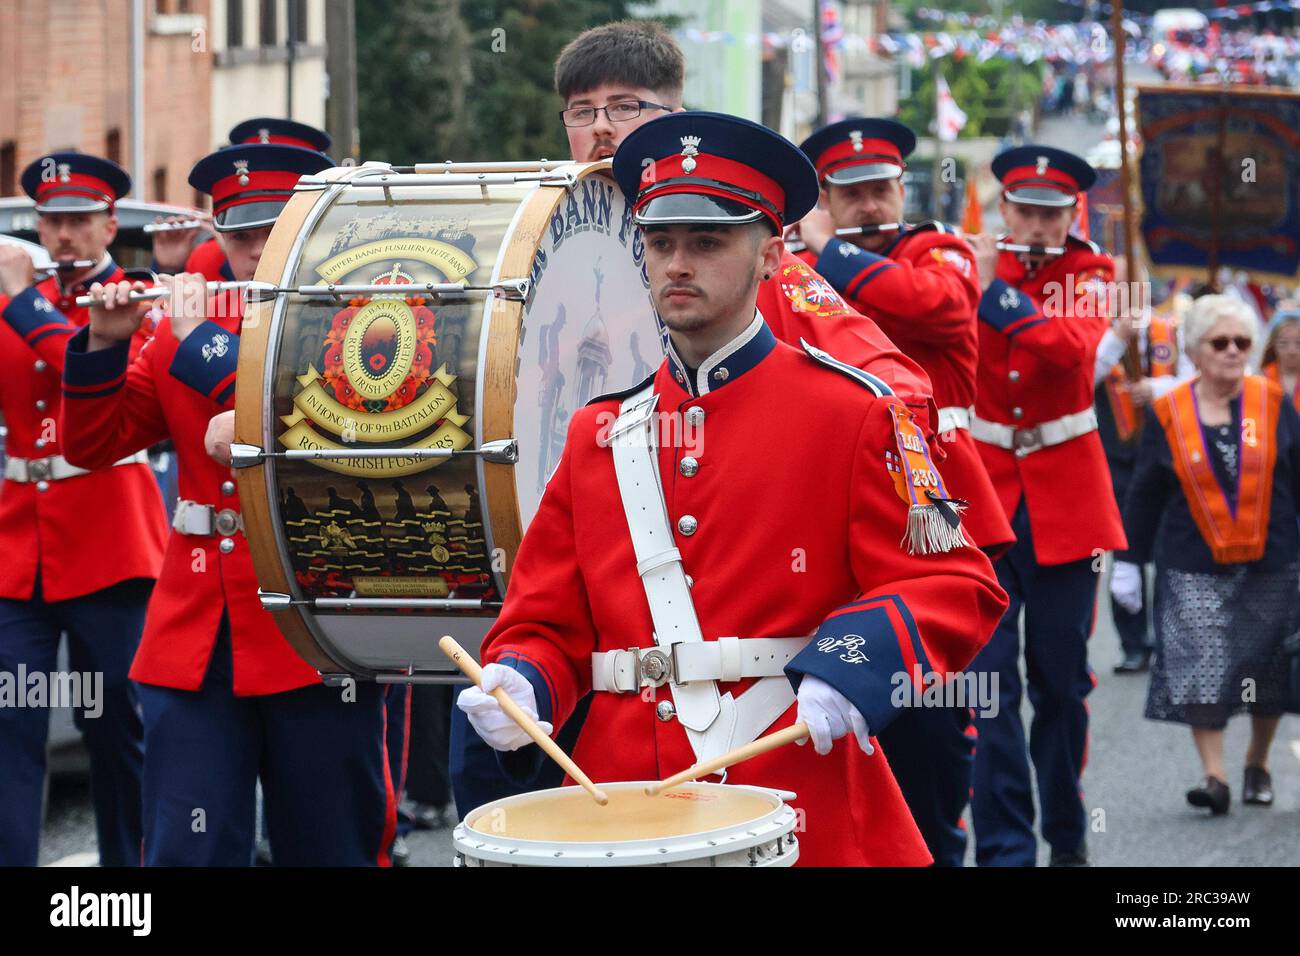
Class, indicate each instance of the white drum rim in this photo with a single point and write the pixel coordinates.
(778, 822)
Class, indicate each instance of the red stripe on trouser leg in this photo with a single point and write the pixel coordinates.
(384, 858)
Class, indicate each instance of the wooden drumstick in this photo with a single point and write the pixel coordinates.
(762, 745)
(469, 667)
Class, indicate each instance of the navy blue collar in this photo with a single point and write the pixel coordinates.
(728, 363)
(106, 268)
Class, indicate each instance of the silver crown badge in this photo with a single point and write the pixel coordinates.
(690, 149)
(264, 135)
(1042, 165)
(241, 168)
(65, 172)
(856, 136)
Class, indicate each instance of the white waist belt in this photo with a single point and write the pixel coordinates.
(727, 659)
(194, 518)
(1024, 441)
(953, 417)
(56, 467)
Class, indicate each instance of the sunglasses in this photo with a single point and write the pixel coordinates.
(1220, 343)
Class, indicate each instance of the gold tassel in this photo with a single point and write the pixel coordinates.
(929, 533)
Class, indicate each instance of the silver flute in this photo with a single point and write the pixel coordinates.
(1032, 249)
(797, 245)
(151, 227)
(66, 265)
(161, 292)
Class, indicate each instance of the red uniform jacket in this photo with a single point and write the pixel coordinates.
(1038, 345)
(798, 303)
(115, 405)
(799, 524)
(923, 294)
(80, 534)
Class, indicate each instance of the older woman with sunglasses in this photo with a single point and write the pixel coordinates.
(1213, 501)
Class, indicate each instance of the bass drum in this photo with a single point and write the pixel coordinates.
(413, 345)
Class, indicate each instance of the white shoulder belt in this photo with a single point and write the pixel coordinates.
(682, 659)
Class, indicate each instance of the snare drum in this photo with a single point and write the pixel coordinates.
(696, 824)
(414, 343)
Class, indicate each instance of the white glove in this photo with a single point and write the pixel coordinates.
(486, 716)
(829, 716)
(1126, 586)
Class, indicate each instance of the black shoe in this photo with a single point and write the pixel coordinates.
(1134, 663)
(1077, 857)
(1212, 793)
(1257, 787)
(400, 853)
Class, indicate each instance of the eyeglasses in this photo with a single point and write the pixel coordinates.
(1220, 343)
(619, 112)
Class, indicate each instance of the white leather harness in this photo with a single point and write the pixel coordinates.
(681, 658)
(953, 417)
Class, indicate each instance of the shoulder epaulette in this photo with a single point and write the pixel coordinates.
(863, 378)
(625, 393)
(1088, 244)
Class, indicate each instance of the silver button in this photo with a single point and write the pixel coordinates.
(689, 466)
(681, 378)
(721, 374)
(40, 404)
(227, 487)
(39, 443)
(1014, 375)
(664, 710)
(226, 545)
(40, 365)
(687, 524)
(42, 486)
(1017, 413)
(695, 415)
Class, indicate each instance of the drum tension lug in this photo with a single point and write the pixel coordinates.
(274, 600)
(336, 680)
(516, 290)
(503, 451)
(245, 456)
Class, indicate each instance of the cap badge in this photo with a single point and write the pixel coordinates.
(65, 172)
(856, 136)
(1042, 165)
(264, 135)
(241, 169)
(690, 149)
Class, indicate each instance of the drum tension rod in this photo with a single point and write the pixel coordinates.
(515, 290)
(503, 451)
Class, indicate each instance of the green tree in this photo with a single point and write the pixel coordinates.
(413, 70)
(466, 79)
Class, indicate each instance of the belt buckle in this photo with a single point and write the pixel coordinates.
(225, 522)
(654, 668)
(1027, 440)
(38, 469)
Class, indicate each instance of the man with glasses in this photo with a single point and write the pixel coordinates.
(1043, 310)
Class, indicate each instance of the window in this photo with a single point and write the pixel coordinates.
(234, 24)
(160, 184)
(113, 145)
(8, 169)
(267, 33)
(298, 21)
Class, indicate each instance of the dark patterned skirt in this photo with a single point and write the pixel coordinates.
(1219, 643)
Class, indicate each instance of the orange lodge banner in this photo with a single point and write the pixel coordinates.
(1233, 536)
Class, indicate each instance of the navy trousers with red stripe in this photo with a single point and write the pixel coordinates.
(319, 751)
(1059, 602)
(932, 757)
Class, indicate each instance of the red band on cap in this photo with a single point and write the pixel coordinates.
(1049, 178)
(78, 184)
(282, 140)
(724, 172)
(231, 192)
(843, 154)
